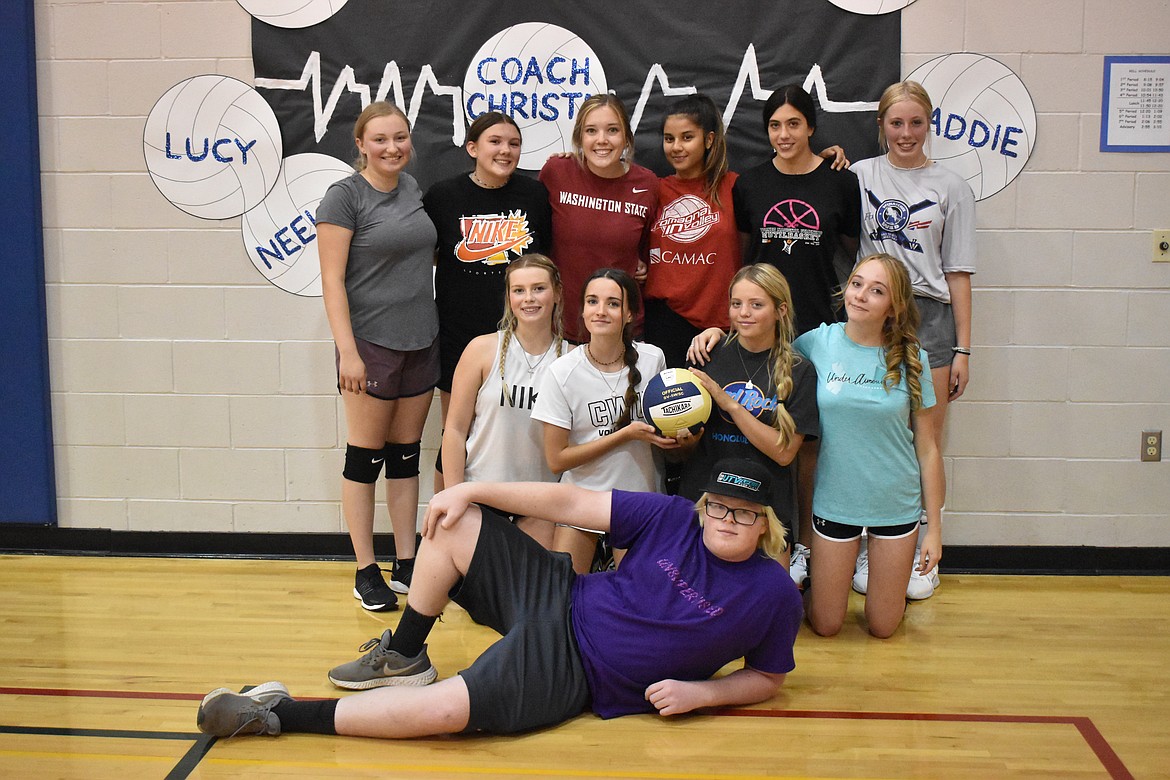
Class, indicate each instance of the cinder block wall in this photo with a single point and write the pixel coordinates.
(190, 394)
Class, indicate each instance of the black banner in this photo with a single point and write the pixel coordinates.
(444, 62)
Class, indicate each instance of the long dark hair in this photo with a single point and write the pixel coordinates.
(632, 300)
(701, 110)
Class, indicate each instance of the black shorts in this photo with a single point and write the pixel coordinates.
(843, 532)
(394, 373)
(532, 676)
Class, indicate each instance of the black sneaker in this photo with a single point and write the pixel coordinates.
(373, 591)
(400, 573)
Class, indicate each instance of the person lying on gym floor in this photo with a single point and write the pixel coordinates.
(700, 587)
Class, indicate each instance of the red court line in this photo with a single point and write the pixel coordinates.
(1085, 726)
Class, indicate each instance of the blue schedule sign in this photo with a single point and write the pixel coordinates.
(1135, 109)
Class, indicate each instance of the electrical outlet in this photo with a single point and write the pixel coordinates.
(1162, 246)
(1151, 445)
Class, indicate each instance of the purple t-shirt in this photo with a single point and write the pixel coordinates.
(673, 610)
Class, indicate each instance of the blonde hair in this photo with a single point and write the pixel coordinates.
(508, 322)
(591, 104)
(896, 93)
(900, 330)
(781, 356)
(773, 542)
(379, 108)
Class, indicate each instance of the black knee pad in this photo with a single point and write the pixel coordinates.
(439, 459)
(402, 460)
(362, 464)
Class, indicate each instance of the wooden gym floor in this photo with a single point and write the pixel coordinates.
(103, 661)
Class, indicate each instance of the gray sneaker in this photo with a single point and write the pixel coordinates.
(383, 666)
(225, 713)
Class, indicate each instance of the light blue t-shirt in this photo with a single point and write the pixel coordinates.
(867, 470)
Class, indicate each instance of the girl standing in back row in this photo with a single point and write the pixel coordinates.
(924, 215)
(377, 247)
(485, 219)
(602, 204)
(796, 210)
(694, 244)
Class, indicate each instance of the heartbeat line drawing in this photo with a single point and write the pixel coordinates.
(391, 79)
(310, 79)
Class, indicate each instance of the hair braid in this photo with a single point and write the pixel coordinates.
(634, 377)
(781, 356)
(632, 303)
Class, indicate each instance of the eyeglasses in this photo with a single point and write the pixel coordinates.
(741, 516)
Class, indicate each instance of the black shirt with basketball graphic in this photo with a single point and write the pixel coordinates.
(480, 231)
(795, 223)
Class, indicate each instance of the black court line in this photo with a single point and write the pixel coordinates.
(191, 758)
(201, 742)
(108, 733)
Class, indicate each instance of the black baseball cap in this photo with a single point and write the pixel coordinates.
(741, 478)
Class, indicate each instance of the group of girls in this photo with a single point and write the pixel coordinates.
(526, 400)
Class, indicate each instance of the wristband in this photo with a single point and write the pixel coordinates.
(961, 350)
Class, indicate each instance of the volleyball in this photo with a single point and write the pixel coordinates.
(871, 7)
(538, 74)
(292, 14)
(213, 146)
(675, 401)
(984, 122)
(280, 234)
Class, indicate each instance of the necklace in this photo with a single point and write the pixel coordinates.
(750, 385)
(484, 184)
(589, 352)
(907, 168)
(524, 354)
(617, 380)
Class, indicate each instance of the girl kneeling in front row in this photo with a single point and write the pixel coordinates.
(880, 466)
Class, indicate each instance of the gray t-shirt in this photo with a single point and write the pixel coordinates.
(388, 276)
(925, 217)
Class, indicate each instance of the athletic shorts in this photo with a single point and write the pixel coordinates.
(936, 330)
(392, 373)
(532, 677)
(451, 348)
(842, 532)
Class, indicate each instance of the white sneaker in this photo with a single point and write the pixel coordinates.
(798, 564)
(861, 573)
(921, 586)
